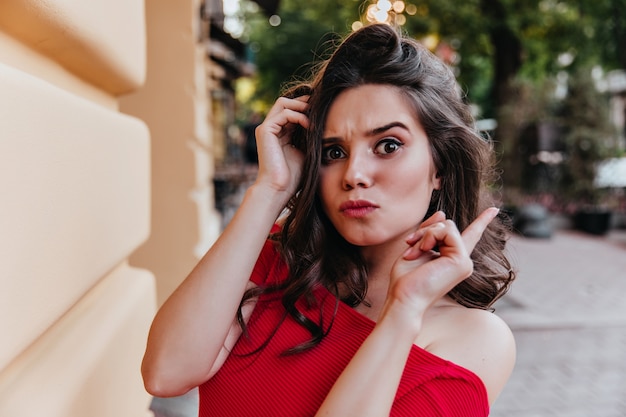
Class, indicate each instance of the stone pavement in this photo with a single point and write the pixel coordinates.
(567, 310)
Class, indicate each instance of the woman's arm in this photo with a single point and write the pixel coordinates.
(368, 385)
(188, 335)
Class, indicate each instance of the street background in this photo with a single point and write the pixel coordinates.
(567, 310)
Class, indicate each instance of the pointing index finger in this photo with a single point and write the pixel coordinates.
(472, 233)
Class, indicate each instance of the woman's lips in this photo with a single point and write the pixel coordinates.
(357, 208)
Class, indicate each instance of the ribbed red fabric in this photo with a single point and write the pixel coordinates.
(270, 384)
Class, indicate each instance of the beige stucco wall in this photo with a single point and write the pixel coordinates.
(175, 104)
(74, 205)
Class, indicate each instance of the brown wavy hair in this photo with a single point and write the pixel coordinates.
(315, 253)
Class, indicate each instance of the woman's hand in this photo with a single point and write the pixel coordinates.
(419, 277)
(436, 261)
(280, 163)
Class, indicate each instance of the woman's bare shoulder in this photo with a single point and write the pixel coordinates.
(477, 340)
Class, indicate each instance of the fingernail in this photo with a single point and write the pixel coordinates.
(493, 211)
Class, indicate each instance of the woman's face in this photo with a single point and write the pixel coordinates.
(377, 172)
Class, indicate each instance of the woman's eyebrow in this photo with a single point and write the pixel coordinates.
(331, 140)
(373, 132)
(386, 127)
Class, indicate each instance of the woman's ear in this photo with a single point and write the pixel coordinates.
(436, 181)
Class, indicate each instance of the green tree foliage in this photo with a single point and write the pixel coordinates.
(606, 26)
(497, 40)
(305, 34)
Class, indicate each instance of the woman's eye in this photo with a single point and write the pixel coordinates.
(387, 146)
(331, 153)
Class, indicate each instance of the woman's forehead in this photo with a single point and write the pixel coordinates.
(369, 108)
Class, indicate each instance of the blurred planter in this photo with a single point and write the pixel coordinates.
(596, 221)
(533, 220)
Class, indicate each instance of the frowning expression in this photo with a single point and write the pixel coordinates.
(377, 173)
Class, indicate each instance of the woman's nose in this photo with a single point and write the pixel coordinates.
(357, 173)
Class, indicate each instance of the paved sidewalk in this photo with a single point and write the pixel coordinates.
(567, 310)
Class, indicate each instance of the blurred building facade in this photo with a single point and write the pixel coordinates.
(112, 117)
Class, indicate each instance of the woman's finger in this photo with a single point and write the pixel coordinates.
(281, 124)
(424, 239)
(429, 237)
(435, 234)
(299, 104)
(438, 216)
(472, 233)
(413, 252)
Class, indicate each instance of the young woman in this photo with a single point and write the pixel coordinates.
(371, 296)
